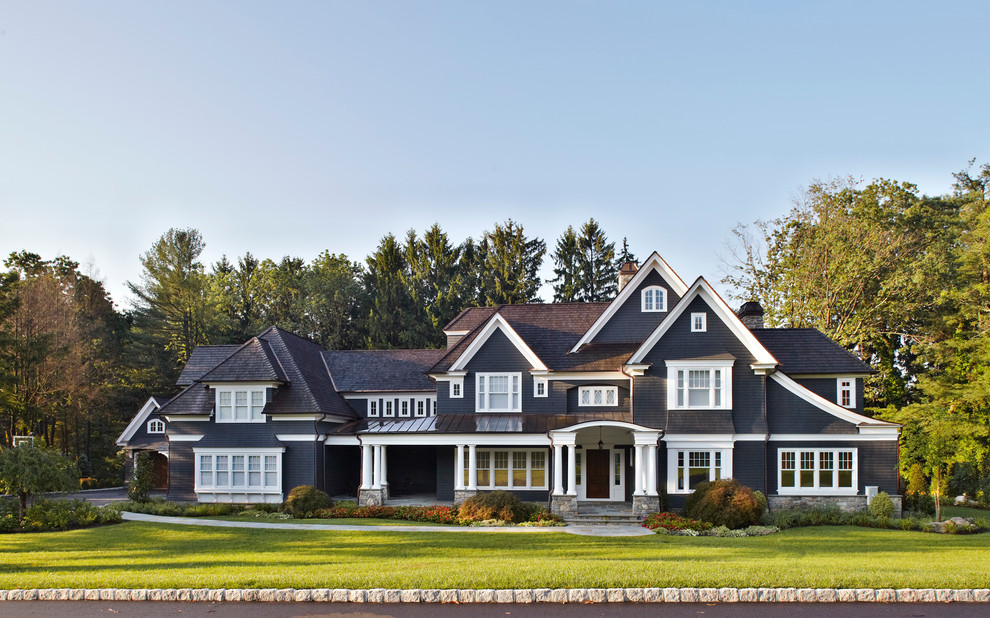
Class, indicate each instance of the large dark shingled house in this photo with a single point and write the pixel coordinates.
(572, 404)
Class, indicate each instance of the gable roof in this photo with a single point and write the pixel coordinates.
(702, 289)
(149, 406)
(203, 359)
(828, 406)
(252, 362)
(808, 351)
(496, 323)
(382, 370)
(652, 263)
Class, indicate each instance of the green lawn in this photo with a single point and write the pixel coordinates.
(343, 521)
(965, 511)
(148, 555)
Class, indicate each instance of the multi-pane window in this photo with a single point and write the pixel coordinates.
(387, 408)
(498, 392)
(156, 425)
(539, 387)
(404, 407)
(821, 470)
(499, 469)
(240, 406)
(617, 469)
(456, 387)
(699, 322)
(373, 407)
(598, 396)
(695, 467)
(847, 392)
(237, 471)
(698, 386)
(654, 298)
(420, 406)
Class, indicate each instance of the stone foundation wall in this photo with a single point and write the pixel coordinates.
(565, 506)
(644, 505)
(371, 497)
(460, 495)
(848, 504)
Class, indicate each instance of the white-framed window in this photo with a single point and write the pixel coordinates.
(240, 405)
(654, 298)
(238, 470)
(434, 412)
(688, 467)
(598, 395)
(516, 468)
(421, 407)
(847, 392)
(156, 425)
(373, 408)
(817, 470)
(388, 407)
(457, 389)
(498, 392)
(404, 407)
(701, 385)
(539, 387)
(699, 322)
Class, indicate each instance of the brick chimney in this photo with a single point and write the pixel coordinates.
(626, 272)
(751, 314)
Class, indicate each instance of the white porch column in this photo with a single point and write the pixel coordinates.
(651, 470)
(459, 468)
(571, 470)
(367, 467)
(384, 467)
(638, 471)
(376, 482)
(558, 469)
(472, 467)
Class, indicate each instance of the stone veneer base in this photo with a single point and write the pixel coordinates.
(529, 595)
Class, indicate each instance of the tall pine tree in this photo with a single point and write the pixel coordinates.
(567, 267)
(597, 259)
(510, 265)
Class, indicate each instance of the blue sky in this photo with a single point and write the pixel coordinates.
(287, 128)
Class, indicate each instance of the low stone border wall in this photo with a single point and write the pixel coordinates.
(537, 595)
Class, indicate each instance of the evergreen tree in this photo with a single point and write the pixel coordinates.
(435, 281)
(510, 266)
(625, 256)
(392, 310)
(599, 278)
(567, 267)
(331, 299)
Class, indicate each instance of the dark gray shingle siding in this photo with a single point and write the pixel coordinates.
(630, 323)
(789, 414)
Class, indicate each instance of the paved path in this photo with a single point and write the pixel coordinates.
(606, 530)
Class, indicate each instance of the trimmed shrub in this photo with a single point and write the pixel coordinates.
(724, 502)
(672, 522)
(497, 504)
(60, 515)
(881, 505)
(305, 499)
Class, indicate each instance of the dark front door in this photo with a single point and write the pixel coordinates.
(597, 486)
(159, 471)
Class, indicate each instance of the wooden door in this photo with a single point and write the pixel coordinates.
(159, 470)
(597, 485)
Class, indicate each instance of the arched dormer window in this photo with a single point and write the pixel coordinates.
(156, 426)
(654, 299)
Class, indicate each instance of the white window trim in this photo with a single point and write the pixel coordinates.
(660, 306)
(404, 409)
(851, 389)
(464, 467)
(817, 491)
(233, 390)
(591, 400)
(701, 327)
(158, 423)
(244, 492)
(726, 469)
(537, 382)
(674, 366)
(457, 388)
(478, 394)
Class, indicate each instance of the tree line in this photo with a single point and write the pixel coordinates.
(902, 280)
(74, 368)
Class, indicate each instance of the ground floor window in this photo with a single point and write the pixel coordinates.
(239, 470)
(817, 470)
(688, 467)
(505, 469)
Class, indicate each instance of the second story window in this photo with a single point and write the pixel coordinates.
(847, 392)
(156, 426)
(598, 396)
(240, 405)
(699, 385)
(654, 299)
(498, 392)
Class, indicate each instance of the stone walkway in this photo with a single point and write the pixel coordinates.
(604, 530)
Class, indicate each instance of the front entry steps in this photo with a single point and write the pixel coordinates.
(602, 513)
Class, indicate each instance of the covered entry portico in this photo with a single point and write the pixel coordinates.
(596, 468)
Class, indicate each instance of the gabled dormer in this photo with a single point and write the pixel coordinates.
(643, 302)
(243, 384)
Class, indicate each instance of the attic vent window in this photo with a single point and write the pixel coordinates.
(654, 299)
(699, 322)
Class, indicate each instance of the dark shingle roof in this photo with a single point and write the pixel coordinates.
(550, 330)
(808, 351)
(203, 359)
(469, 318)
(382, 370)
(252, 362)
(197, 399)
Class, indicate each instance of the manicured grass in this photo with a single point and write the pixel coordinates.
(147, 555)
(343, 521)
(965, 511)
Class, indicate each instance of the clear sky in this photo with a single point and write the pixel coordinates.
(287, 128)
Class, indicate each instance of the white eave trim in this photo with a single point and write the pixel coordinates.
(297, 437)
(827, 376)
(448, 376)
(456, 332)
(654, 262)
(497, 322)
(149, 406)
(237, 385)
(701, 288)
(864, 422)
(192, 418)
(185, 438)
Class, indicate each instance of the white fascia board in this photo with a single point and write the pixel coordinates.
(579, 375)
(836, 437)
(247, 450)
(297, 437)
(497, 322)
(448, 376)
(342, 441)
(636, 370)
(828, 406)
(191, 418)
(149, 406)
(185, 438)
(298, 417)
(729, 318)
(456, 332)
(617, 424)
(387, 394)
(236, 385)
(448, 439)
(654, 262)
(828, 376)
